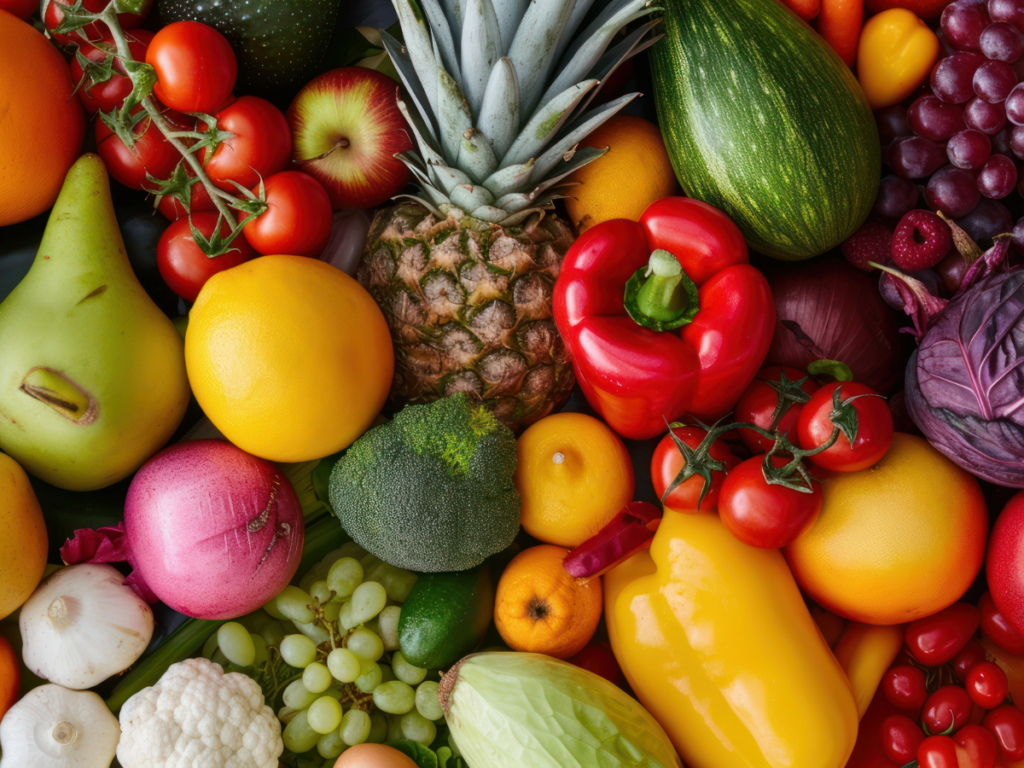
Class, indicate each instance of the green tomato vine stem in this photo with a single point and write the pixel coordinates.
(220, 198)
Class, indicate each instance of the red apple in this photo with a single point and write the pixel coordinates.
(926, 9)
(1005, 562)
(346, 131)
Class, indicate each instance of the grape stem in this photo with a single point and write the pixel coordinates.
(109, 17)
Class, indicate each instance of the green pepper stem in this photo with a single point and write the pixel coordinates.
(662, 297)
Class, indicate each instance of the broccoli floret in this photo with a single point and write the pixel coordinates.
(432, 489)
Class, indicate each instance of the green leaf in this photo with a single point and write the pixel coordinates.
(834, 368)
(424, 757)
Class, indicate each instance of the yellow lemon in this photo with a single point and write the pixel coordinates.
(289, 357)
(620, 184)
(23, 541)
(573, 474)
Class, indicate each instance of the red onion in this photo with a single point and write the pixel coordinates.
(827, 309)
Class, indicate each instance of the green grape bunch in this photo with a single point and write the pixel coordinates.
(327, 656)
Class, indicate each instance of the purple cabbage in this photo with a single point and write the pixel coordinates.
(965, 382)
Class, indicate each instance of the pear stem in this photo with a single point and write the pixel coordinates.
(217, 195)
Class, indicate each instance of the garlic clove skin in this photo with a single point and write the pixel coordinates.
(54, 727)
(82, 625)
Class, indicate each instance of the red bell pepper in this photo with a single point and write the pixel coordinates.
(664, 316)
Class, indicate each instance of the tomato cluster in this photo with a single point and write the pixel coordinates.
(953, 697)
(242, 143)
(791, 412)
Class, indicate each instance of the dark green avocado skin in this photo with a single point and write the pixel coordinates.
(446, 617)
(279, 43)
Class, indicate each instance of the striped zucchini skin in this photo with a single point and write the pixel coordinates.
(762, 119)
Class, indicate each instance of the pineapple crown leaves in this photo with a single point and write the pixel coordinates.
(497, 94)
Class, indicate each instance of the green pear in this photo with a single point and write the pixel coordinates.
(92, 373)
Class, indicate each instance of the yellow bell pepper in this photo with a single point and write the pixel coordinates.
(718, 644)
(895, 55)
(866, 652)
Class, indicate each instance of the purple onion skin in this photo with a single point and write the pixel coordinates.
(965, 382)
(827, 309)
(214, 532)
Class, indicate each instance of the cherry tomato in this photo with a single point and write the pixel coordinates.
(997, 629)
(948, 706)
(937, 752)
(901, 738)
(905, 687)
(873, 421)
(184, 266)
(54, 14)
(987, 685)
(199, 201)
(972, 653)
(764, 515)
(298, 218)
(979, 744)
(152, 154)
(668, 461)
(108, 94)
(599, 659)
(23, 9)
(1006, 723)
(936, 639)
(261, 144)
(758, 403)
(195, 67)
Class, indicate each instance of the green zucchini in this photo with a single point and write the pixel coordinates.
(762, 119)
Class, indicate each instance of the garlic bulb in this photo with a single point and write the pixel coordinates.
(53, 727)
(82, 625)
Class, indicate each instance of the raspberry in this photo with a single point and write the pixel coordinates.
(872, 242)
(921, 241)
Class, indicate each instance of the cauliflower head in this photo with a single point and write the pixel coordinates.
(196, 716)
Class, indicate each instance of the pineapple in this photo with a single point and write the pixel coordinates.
(497, 95)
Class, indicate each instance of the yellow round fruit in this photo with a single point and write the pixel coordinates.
(896, 542)
(634, 173)
(23, 541)
(289, 357)
(573, 474)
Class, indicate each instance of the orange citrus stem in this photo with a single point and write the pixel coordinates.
(839, 23)
(629, 532)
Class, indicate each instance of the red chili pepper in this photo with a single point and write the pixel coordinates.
(839, 22)
(663, 317)
(629, 532)
(997, 629)
(936, 639)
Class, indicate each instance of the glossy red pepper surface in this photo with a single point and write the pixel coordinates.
(638, 378)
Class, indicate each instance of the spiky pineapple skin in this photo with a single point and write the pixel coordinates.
(469, 308)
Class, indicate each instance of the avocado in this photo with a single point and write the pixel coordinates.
(279, 43)
(446, 617)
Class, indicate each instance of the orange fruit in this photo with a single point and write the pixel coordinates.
(10, 676)
(895, 542)
(634, 173)
(23, 540)
(540, 608)
(574, 474)
(41, 121)
(289, 357)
